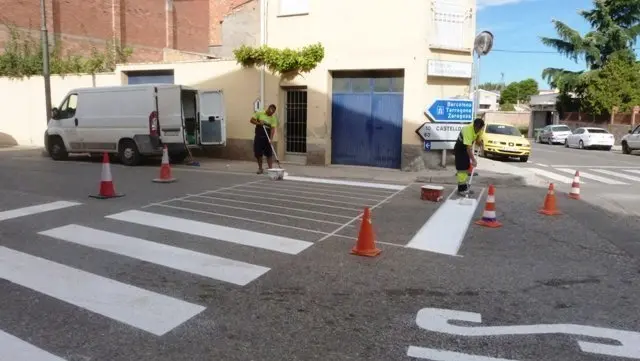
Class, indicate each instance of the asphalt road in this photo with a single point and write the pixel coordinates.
(608, 178)
(101, 280)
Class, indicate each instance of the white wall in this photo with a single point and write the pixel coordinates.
(23, 103)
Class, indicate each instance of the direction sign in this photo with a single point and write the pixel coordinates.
(451, 110)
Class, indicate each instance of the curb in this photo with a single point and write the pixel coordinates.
(501, 180)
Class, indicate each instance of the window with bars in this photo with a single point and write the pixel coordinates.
(451, 25)
(296, 121)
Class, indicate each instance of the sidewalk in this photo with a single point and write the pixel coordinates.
(489, 171)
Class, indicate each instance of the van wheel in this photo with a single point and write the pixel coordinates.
(128, 153)
(56, 148)
(177, 157)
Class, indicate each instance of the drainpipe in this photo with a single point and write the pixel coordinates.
(263, 42)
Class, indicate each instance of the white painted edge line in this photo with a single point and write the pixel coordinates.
(212, 231)
(615, 174)
(351, 209)
(445, 230)
(593, 177)
(442, 355)
(326, 194)
(39, 208)
(369, 192)
(218, 268)
(551, 175)
(540, 164)
(13, 348)
(283, 195)
(346, 183)
(146, 310)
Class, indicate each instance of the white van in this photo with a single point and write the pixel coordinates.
(133, 121)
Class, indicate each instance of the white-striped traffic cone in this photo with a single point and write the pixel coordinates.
(575, 186)
(107, 189)
(165, 169)
(489, 218)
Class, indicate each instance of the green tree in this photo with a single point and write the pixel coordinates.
(617, 84)
(519, 91)
(615, 26)
(492, 86)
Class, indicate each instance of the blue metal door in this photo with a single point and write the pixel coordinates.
(366, 125)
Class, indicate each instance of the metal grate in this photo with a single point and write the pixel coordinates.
(296, 121)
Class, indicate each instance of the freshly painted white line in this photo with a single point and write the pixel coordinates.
(290, 201)
(208, 230)
(205, 192)
(148, 311)
(441, 355)
(333, 189)
(271, 192)
(269, 205)
(40, 208)
(593, 177)
(346, 183)
(444, 231)
(261, 211)
(218, 268)
(550, 175)
(636, 171)
(14, 349)
(240, 218)
(540, 164)
(616, 174)
(327, 193)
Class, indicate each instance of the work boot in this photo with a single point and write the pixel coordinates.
(465, 193)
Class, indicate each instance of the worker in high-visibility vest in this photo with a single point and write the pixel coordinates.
(465, 157)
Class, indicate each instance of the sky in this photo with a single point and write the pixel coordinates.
(517, 26)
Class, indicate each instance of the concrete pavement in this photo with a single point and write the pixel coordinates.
(235, 267)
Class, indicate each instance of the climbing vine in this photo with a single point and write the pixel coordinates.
(281, 61)
(22, 57)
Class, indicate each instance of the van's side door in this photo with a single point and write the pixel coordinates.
(211, 118)
(67, 121)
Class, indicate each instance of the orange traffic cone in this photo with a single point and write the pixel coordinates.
(165, 169)
(549, 207)
(575, 187)
(366, 244)
(489, 215)
(107, 190)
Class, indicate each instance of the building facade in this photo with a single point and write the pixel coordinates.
(151, 27)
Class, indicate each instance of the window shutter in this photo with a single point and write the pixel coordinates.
(451, 25)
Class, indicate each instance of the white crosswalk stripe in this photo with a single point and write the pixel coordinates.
(117, 301)
(616, 174)
(593, 177)
(636, 171)
(551, 175)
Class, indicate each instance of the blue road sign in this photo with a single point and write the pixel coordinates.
(451, 110)
(427, 145)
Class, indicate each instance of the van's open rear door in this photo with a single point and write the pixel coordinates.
(170, 114)
(213, 129)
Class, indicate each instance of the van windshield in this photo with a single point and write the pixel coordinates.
(502, 129)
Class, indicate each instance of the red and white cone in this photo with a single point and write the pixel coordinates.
(107, 189)
(165, 169)
(489, 218)
(575, 187)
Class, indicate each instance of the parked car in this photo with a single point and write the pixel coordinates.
(588, 138)
(631, 141)
(554, 134)
(504, 140)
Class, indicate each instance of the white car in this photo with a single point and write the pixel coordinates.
(554, 134)
(631, 141)
(588, 138)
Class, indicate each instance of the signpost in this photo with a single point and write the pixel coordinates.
(451, 110)
(439, 136)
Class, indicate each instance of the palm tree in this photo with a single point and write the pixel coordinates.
(615, 28)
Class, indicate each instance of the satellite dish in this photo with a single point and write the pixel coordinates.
(483, 43)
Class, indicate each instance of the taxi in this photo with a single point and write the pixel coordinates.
(504, 140)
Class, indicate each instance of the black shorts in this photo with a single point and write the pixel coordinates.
(261, 147)
(463, 162)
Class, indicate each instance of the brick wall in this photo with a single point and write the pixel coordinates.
(141, 24)
(217, 11)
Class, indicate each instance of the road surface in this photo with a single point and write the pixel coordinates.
(236, 267)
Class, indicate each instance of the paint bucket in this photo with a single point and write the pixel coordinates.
(275, 173)
(431, 193)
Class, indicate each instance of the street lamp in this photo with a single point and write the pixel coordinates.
(482, 46)
(45, 59)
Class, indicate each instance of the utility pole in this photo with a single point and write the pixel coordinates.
(45, 58)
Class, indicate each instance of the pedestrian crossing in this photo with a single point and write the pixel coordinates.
(588, 175)
(114, 300)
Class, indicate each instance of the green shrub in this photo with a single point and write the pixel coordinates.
(281, 61)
